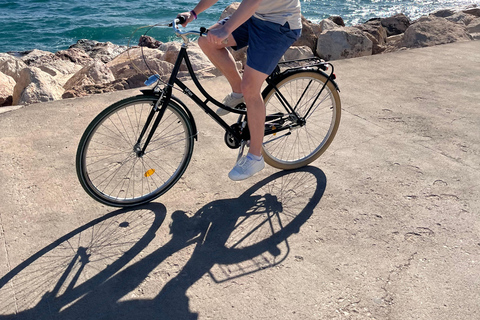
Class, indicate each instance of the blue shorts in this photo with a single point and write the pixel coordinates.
(267, 42)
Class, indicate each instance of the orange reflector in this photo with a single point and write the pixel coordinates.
(149, 173)
(273, 128)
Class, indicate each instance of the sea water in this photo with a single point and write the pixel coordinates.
(54, 25)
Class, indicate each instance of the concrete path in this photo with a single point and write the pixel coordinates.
(385, 225)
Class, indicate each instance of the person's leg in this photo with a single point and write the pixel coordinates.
(223, 60)
(251, 88)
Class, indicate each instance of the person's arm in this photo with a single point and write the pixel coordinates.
(199, 8)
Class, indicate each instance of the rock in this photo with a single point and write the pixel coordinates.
(309, 34)
(474, 26)
(338, 20)
(11, 66)
(198, 59)
(376, 33)
(431, 30)
(326, 24)
(131, 66)
(54, 65)
(7, 84)
(349, 42)
(473, 11)
(473, 29)
(37, 57)
(443, 13)
(396, 24)
(229, 10)
(93, 74)
(34, 86)
(296, 53)
(149, 42)
(461, 17)
(75, 55)
(103, 51)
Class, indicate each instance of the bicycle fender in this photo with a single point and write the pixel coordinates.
(289, 72)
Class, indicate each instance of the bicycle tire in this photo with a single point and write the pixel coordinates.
(110, 170)
(302, 144)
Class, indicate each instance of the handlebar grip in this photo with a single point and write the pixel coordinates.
(180, 20)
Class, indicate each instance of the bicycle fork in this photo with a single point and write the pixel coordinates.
(138, 149)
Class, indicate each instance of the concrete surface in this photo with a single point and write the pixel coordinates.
(385, 225)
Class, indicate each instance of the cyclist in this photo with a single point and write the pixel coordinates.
(268, 28)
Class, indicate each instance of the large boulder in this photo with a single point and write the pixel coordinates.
(376, 32)
(309, 34)
(95, 73)
(103, 51)
(229, 10)
(7, 84)
(349, 42)
(297, 53)
(60, 69)
(132, 66)
(396, 24)
(431, 30)
(198, 59)
(473, 11)
(11, 66)
(461, 17)
(473, 29)
(75, 55)
(34, 86)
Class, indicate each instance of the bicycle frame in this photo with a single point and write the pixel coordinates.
(166, 96)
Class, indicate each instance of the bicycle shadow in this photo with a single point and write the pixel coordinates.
(232, 238)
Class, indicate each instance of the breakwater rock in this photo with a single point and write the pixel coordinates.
(90, 67)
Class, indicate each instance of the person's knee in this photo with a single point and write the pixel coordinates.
(203, 43)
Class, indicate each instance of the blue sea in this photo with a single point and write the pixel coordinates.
(54, 25)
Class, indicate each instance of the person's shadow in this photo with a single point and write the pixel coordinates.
(228, 232)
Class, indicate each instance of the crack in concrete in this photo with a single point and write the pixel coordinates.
(388, 297)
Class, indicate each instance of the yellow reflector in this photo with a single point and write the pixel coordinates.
(149, 173)
(273, 128)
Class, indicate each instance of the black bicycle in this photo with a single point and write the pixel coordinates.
(136, 149)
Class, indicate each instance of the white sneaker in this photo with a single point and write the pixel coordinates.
(245, 168)
(231, 102)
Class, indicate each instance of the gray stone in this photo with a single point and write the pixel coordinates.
(349, 42)
(431, 30)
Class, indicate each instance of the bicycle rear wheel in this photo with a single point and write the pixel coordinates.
(109, 167)
(308, 133)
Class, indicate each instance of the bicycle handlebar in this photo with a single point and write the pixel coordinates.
(183, 34)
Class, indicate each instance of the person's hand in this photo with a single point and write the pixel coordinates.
(188, 18)
(218, 35)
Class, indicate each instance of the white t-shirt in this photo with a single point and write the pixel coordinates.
(281, 11)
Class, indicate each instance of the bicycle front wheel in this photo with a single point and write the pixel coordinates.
(310, 129)
(109, 166)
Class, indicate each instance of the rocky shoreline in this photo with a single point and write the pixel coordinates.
(90, 67)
